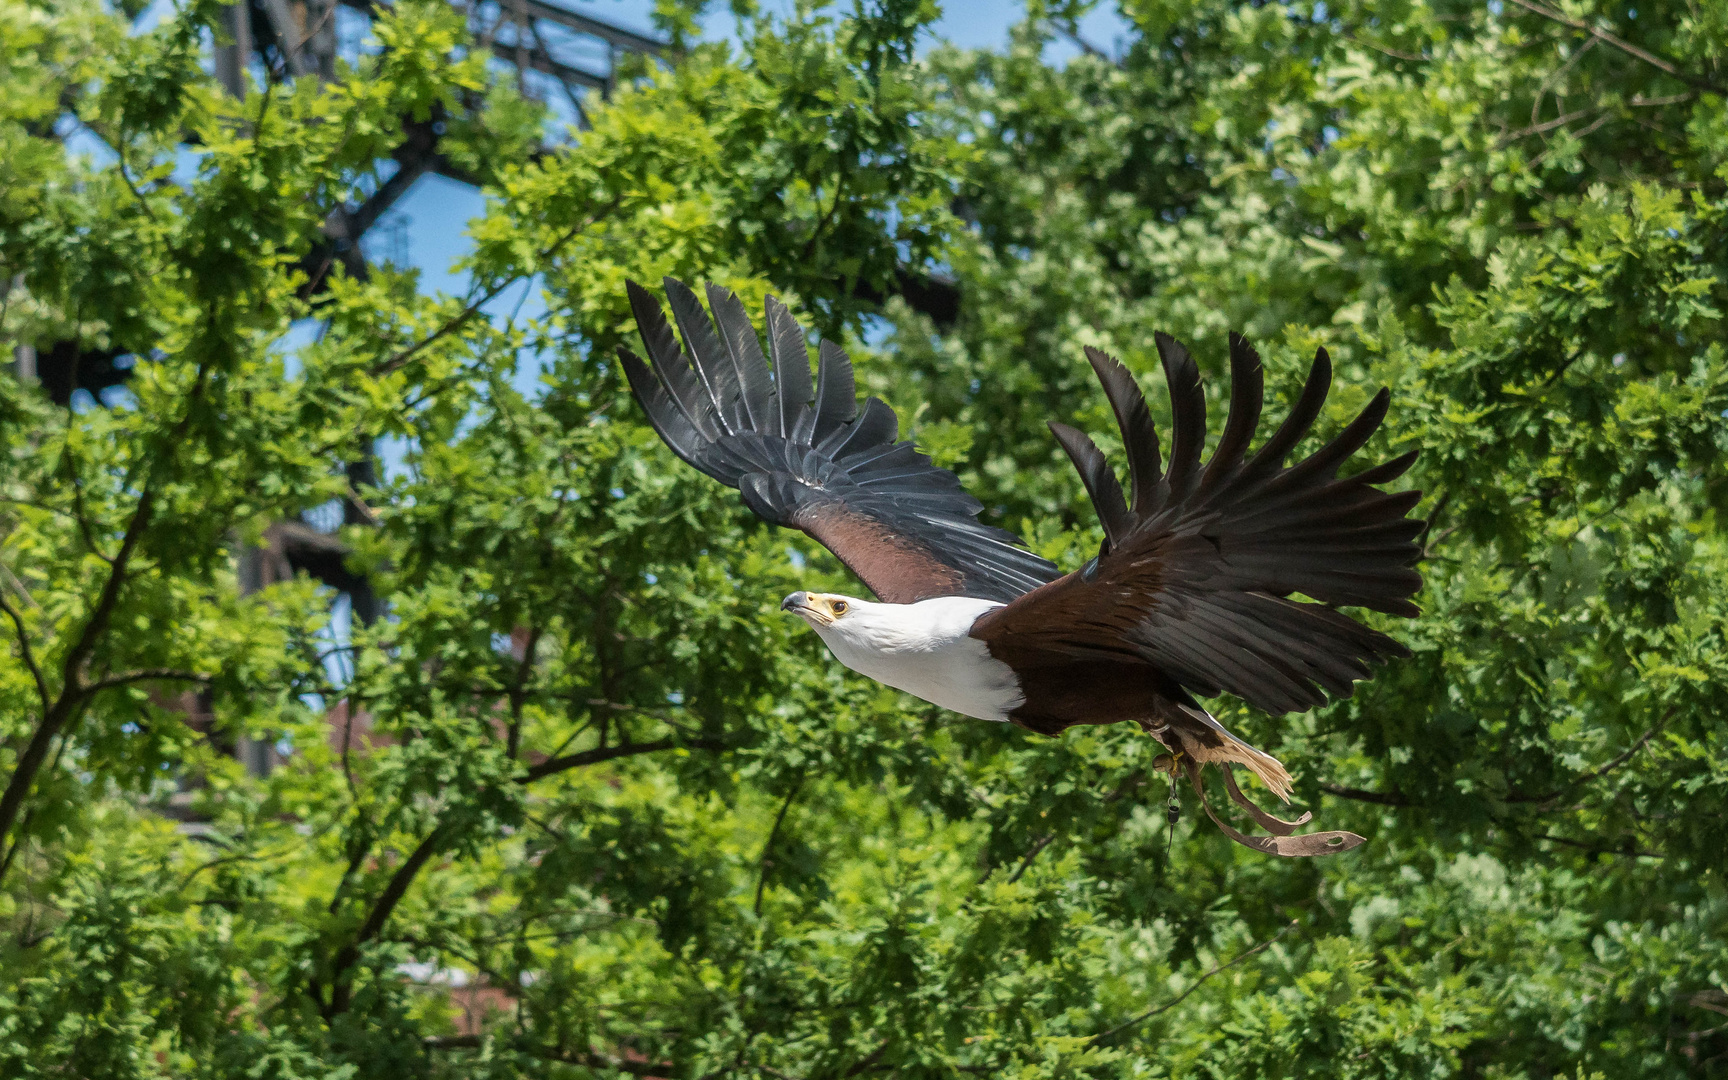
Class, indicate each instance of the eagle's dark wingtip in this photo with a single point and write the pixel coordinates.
(1134, 421)
(1247, 397)
(1187, 416)
(1224, 562)
(1100, 480)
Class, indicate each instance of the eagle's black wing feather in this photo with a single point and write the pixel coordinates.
(1199, 569)
(807, 459)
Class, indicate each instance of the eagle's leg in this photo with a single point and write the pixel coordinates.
(1170, 763)
(1187, 730)
(1195, 739)
(1159, 728)
(1213, 744)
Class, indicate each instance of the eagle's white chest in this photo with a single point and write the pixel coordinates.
(924, 649)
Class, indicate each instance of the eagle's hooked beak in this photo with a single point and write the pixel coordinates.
(798, 601)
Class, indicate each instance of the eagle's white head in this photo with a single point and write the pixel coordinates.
(887, 628)
(921, 648)
(857, 629)
(822, 610)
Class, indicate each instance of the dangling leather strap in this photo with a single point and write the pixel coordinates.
(1332, 842)
(1275, 825)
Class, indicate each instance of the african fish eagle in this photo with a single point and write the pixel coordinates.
(1190, 594)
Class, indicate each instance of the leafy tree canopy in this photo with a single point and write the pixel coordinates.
(583, 763)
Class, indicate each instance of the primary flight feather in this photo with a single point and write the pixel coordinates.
(1190, 593)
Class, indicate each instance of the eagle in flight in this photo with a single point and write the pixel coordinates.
(1191, 594)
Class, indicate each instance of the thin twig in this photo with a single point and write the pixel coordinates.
(120, 160)
(293, 54)
(164, 674)
(240, 857)
(1628, 851)
(455, 322)
(1026, 862)
(79, 514)
(1640, 102)
(1071, 31)
(1546, 125)
(768, 845)
(594, 757)
(833, 207)
(1621, 759)
(1395, 54)
(1623, 45)
(1380, 797)
(28, 656)
(1603, 769)
(1428, 526)
(1553, 77)
(1594, 124)
(1198, 983)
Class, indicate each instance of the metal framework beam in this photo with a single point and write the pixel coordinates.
(538, 59)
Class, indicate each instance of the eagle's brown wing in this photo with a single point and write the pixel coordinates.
(808, 459)
(1200, 565)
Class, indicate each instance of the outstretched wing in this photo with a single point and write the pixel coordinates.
(1198, 566)
(806, 458)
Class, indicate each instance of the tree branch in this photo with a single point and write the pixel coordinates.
(1621, 759)
(1393, 53)
(399, 882)
(72, 692)
(1603, 769)
(590, 1059)
(863, 1064)
(457, 321)
(164, 674)
(1440, 505)
(1043, 842)
(1198, 983)
(1380, 797)
(833, 208)
(1627, 851)
(1026, 862)
(78, 512)
(56, 716)
(118, 145)
(28, 657)
(768, 844)
(513, 738)
(1623, 45)
(594, 757)
(1546, 125)
(394, 891)
(1553, 78)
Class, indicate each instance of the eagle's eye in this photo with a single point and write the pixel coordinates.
(839, 607)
